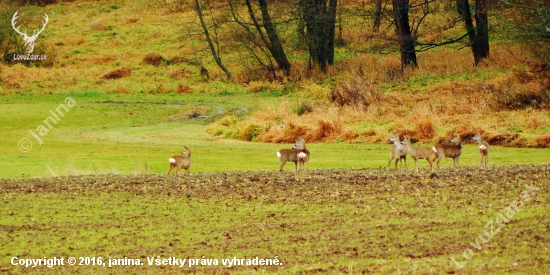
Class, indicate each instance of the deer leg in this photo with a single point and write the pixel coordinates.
(482, 162)
(283, 162)
(171, 167)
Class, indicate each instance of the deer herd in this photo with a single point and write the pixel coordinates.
(398, 151)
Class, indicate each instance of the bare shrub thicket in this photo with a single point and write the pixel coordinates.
(153, 59)
(354, 92)
(533, 89)
(118, 73)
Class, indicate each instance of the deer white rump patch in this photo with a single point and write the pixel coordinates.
(172, 160)
(435, 150)
(278, 154)
(302, 155)
(482, 147)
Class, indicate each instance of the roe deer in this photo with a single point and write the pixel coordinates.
(183, 161)
(418, 153)
(453, 150)
(483, 149)
(397, 151)
(298, 154)
(303, 155)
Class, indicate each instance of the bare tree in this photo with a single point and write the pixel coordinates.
(377, 16)
(318, 28)
(478, 35)
(214, 49)
(263, 34)
(404, 35)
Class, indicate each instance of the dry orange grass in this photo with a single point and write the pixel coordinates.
(118, 73)
(542, 141)
(429, 111)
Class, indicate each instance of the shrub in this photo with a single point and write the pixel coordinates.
(425, 129)
(542, 141)
(303, 107)
(502, 139)
(153, 59)
(118, 73)
(354, 92)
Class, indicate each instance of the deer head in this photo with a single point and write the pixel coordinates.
(29, 40)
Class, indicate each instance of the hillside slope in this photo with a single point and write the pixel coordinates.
(157, 47)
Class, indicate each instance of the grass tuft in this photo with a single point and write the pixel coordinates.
(118, 73)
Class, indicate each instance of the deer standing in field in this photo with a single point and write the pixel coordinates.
(298, 154)
(397, 151)
(483, 149)
(183, 161)
(418, 153)
(453, 150)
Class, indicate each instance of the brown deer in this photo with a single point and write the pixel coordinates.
(303, 155)
(183, 161)
(298, 154)
(483, 149)
(453, 150)
(418, 153)
(397, 151)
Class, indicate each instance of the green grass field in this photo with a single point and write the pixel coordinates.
(96, 190)
(136, 134)
(86, 137)
(350, 214)
(332, 221)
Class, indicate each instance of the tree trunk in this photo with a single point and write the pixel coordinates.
(481, 49)
(405, 38)
(478, 35)
(209, 40)
(320, 24)
(377, 16)
(274, 44)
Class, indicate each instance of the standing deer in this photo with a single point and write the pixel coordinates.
(298, 154)
(303, 155)
(29, 40)
(453, 150)
(483, 149)
(418, 153)
(183, 161)
(397, 151)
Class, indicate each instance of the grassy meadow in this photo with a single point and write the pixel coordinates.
(86, 136)
(136, 134)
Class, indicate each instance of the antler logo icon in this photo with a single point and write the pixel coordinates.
(29, 40)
